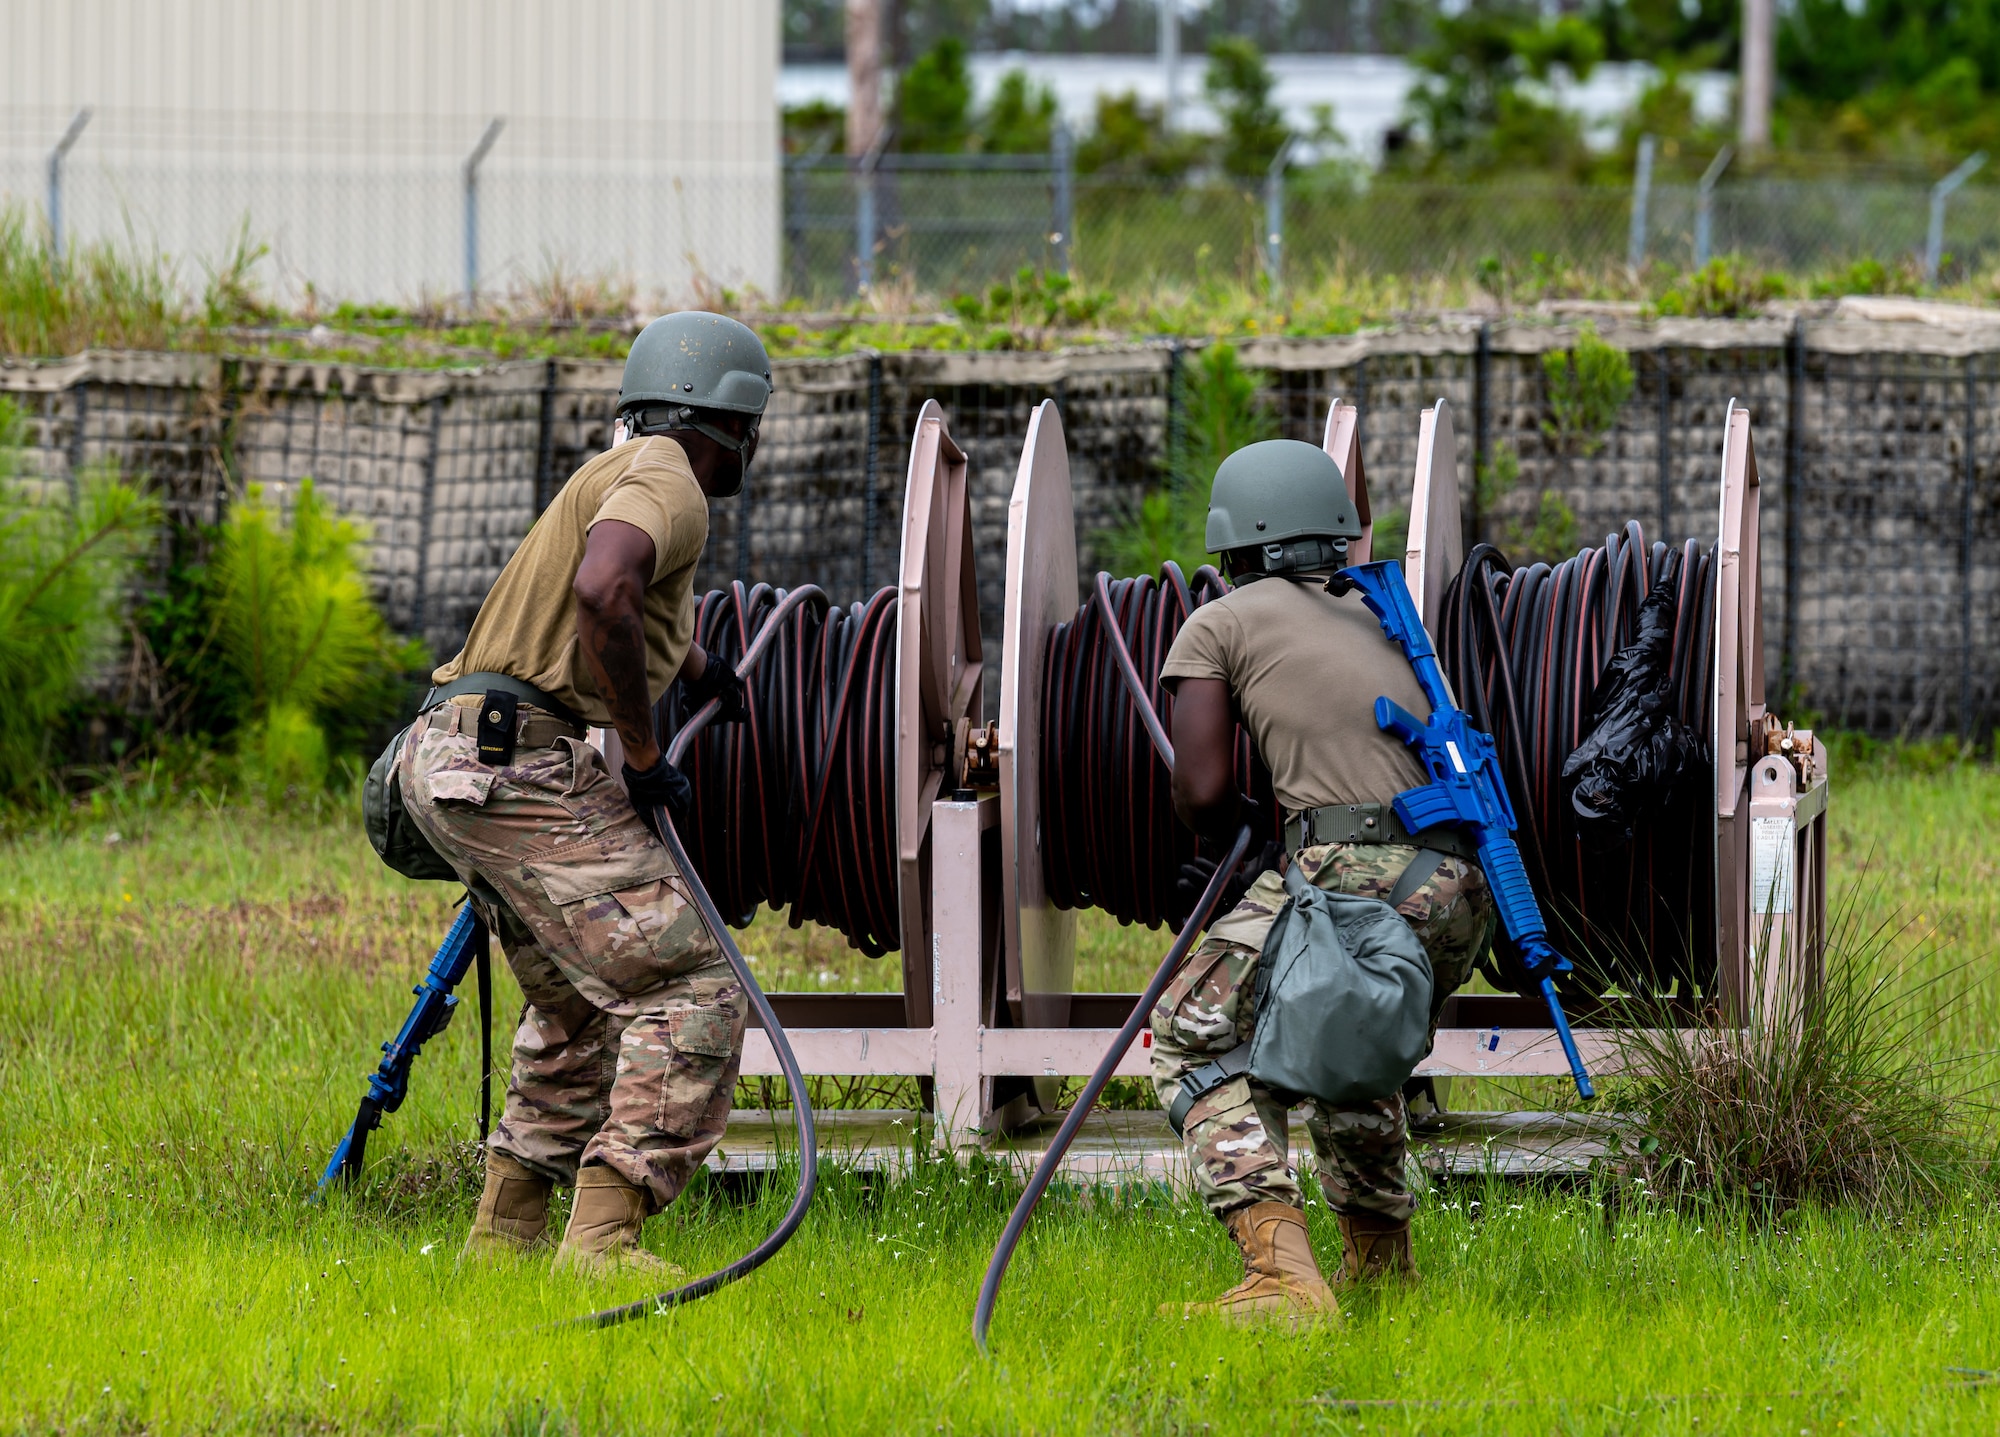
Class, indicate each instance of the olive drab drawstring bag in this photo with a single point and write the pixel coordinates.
(1343, 997)
(392, 833)
(1342, 1004)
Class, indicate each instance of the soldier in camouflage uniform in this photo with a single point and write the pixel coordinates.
(1301, 669)
(632, 1037)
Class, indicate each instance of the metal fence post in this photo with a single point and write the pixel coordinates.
(864, 212)
(1965, 514)
(1665, 476)
(1361, 399)
(472, 162)
(1704, 203)
(795, 224)
(868, 472)
(1940, 192)
(743, 531)
(545, 440)
(78, 437)
(1274, 218)
(56, 158)
(1482, 413)
(1795, 449)
(421, 607)
(1062, 160)
(1642, 195)
(1170, 423)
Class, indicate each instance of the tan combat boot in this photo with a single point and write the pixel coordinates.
(1375, 1246)
(513, 1210)
(1281, 1282)
(604, 1224)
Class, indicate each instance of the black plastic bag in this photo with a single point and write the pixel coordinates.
(1636, 751)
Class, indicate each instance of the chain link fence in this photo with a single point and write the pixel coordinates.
(421, 209)
(941, 225)
(407, 209)
(1877, 443)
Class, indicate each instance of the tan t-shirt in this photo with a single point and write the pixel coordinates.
(526, 629)
(1306, 668)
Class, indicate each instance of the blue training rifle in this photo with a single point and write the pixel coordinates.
(390, 1081)
(1465, 790)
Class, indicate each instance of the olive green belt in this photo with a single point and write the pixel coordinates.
(532, 729)
(1371, 823)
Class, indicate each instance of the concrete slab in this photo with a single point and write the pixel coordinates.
(1138, 1147)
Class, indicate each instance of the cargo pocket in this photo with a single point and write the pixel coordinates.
(1200, 1010)
(631, 927)
(448, 769)
(705, 1031)
(1232, 1147)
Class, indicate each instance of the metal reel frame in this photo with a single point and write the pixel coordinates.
(939, 672)
(1343, 444)
(1770, 825)
(1436, 548)
(1042, 591)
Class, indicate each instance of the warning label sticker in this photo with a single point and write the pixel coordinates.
(1772, 846)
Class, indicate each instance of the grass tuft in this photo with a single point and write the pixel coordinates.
(1843, 1092)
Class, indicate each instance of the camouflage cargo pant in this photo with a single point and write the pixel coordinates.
(1238, 1135)
(629, 1047)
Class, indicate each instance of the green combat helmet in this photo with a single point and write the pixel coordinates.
(686, 367)
(1280, 507)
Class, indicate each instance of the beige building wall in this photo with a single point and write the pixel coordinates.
(640, 137)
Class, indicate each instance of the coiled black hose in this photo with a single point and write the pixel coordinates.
(1525, 650)
(797, 805)
(1109, 836)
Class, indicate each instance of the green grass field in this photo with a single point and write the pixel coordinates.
(190, 996)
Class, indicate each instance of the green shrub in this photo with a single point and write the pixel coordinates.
(1030, 310)
(298, 646)
(67, 561)
(934, 100)
(286, 753)
(1020, 119)
(1239, 85)
(1548, 538)
(1131, 138)
(1587, 386)
(1219, 407)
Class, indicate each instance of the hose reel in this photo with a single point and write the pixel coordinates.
(1082, 812)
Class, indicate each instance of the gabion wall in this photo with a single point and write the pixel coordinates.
(1878, 443)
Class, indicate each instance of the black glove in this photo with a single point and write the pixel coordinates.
(1196, 873)
(662, 784)
(718, 681)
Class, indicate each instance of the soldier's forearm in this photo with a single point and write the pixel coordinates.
(614, 650)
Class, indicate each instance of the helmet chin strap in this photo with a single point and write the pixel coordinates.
(684, 417)
(720, 437)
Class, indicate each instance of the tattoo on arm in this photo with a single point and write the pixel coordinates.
(610, 592)
(614, 648)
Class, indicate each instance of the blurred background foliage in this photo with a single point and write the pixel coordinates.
(248, 655)
(1909, 83)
